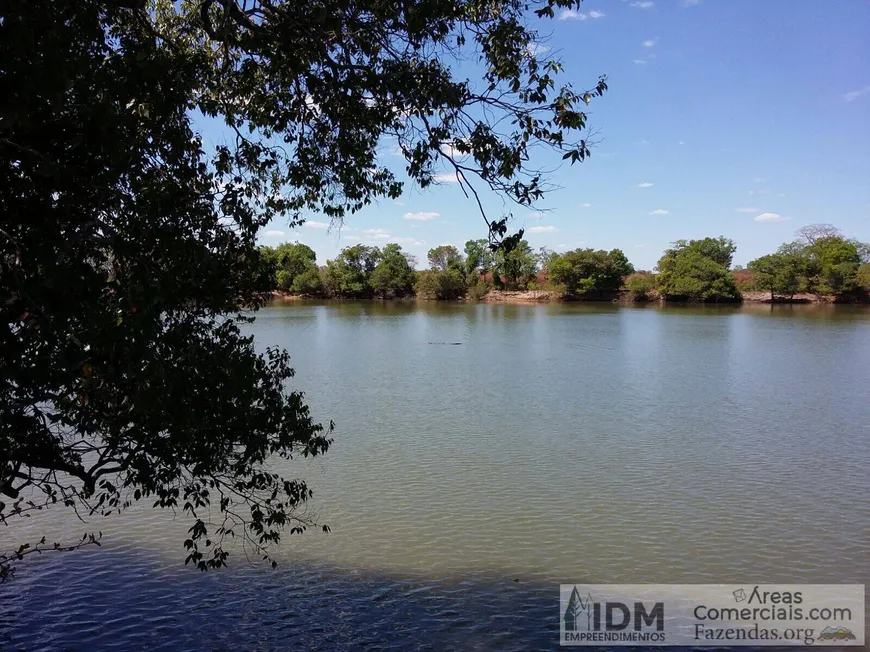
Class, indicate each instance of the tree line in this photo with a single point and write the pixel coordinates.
(821, 261)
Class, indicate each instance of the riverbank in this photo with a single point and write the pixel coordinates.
(552, 296)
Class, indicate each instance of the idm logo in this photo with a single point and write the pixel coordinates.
(585, 614)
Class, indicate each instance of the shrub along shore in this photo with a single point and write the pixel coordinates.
(820, 266)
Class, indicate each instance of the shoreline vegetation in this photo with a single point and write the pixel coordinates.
(549, 296)
(820, 266)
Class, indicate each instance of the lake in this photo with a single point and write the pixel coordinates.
(577, 442)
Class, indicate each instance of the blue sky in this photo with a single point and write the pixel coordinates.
(743, 118)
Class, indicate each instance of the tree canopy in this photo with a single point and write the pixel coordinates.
(698, 270)
(779, 273)
(129, 243)
(586, 270)
(821, 261)
(291, 265)
(394, 275)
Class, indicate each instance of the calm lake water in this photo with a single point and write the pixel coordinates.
(557, 443)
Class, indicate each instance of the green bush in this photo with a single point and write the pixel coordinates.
(863, 277)
(432, 284)
(585, 271)
(308, 282)
(698, 270)
(640, 286)
(476, 292)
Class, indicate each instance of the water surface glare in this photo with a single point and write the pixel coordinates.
(557, 443)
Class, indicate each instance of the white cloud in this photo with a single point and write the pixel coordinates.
(273, 234)
(420, 217)
(640, 62)
(409, 242)
(574, 14)
(536, 49)
(642, 5)
(312, 224)
(780, 194)
(747, 210)
(543, 229)
(658, 211)
(690, 3)
(449, 148)
(854, 95)
(561, 246)
(375, 232)
(641, 246)
(770, 217)
(682, 143)
(398, 203)
(645, 184)
(650, 43)
(586, 205)
(446, 177)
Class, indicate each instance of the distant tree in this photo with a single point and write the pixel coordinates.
(516, 265)
(720, 250)
(832, 265)
(697, 270)
(309, 282)
(586, 270)
(291, 260)
(863, 249)
(808, 235)
(445, 257)
(479, 259)
(434, 284)
(779, 273)
(863, 278)
(394, 275)
(544, 256)
(348, 275)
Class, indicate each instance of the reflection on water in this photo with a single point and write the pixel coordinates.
(577, 442)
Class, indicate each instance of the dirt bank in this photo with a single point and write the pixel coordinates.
(520, 296)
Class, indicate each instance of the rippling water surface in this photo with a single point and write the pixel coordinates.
(569, 443)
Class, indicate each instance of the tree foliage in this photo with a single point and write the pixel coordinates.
(863, 278)
(349, 274)
(288, 262)
(821, 261)
(697, 270)
(394, 275)
(832, 264)
(584, 271)
(445, 257)
(640, 285)
(129, 245)
(517, 264)
(434, 284)
(479, 259)
(779, 273)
